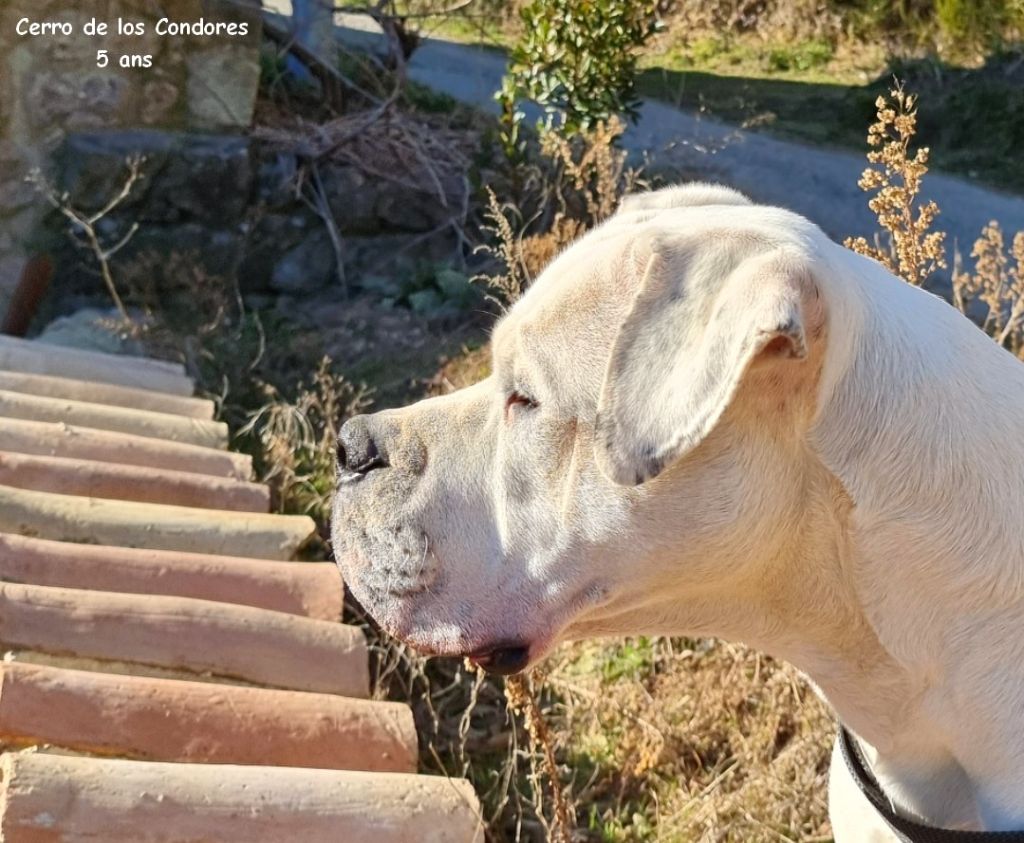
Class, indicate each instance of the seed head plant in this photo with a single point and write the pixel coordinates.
(998, 284)
(913, 250)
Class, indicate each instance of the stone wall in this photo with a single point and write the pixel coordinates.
(51, 87)
(230, 206)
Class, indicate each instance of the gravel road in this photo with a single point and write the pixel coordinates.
(817, 182)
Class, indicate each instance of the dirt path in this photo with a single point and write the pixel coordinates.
(819, 183)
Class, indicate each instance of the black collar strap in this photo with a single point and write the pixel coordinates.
(909, 831)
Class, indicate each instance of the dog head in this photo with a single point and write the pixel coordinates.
(636, 452)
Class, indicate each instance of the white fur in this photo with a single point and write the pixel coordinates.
(742, 430)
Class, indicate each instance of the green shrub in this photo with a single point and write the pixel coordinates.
(433, 291)
(959, 23)
(804, 56)
(977, 21)
(577, 60)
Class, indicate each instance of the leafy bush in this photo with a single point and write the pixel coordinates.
(804, 56)
(432, 291)
(577, 60)
(959, 23)
(978, 21)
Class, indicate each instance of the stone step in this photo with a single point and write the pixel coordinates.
(18, 405)
(48, 515)
(58, 439)
(51, 386)
(255, 646)
(171, 720)
(57, 798)
(312, 589)
(114, 481)
(31, 356)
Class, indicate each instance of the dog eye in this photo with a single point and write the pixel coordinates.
(517, 399)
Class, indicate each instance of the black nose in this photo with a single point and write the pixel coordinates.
(358, 453)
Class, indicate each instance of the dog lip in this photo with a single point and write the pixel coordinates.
(347, 477)
(503, 659)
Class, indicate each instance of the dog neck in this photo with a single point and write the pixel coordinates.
(814, 615)
(914, 530)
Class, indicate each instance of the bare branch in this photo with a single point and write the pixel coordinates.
(85, 224)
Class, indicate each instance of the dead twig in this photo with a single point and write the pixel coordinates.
(85, 224)
(522, 698)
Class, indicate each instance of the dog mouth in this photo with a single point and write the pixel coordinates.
(502, 660)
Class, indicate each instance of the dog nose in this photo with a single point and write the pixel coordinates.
(358, 453)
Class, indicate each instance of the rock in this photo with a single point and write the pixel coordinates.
(353, 199)
(203, 82)
(409, 210)
(276, 175)
(394, 255)
(272, 237)
(222, 84)
(93, 329)
(308, 267)
(214, 251)
(185, 177)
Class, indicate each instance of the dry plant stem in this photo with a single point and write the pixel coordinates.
(508, 286)
(322, 207)
(86, 223)
(590, 165)
(522, 698)
(914, 252)
(576, 183)
(997, 285)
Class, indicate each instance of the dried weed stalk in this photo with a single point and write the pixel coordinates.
(296, 440)
(589, 171)
(522, 699)
(913, 251)
(996, 283)
(83, 225)
(508, 284)
(575, 184)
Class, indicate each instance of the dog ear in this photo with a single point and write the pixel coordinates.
(683, 349)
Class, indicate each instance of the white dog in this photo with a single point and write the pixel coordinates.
(706, 418)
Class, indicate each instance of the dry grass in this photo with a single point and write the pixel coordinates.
(296, 440)
(681, 740)
(569, 185)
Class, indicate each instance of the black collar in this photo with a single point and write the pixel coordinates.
(909, 831)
